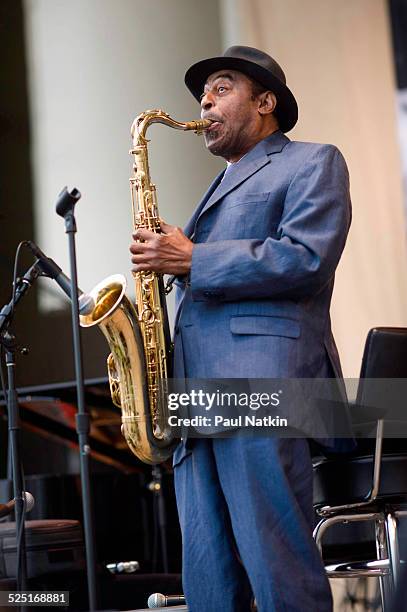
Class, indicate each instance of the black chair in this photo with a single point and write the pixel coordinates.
(370, 485)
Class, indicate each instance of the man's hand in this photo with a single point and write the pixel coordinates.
(169, 252)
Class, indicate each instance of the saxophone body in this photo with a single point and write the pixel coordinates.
(139, 363)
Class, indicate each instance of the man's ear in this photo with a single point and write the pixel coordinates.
(267, 103)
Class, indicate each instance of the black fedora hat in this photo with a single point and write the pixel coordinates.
(255, 64)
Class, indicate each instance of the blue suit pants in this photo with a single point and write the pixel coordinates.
(245, 509)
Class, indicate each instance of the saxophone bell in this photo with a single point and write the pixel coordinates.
(106, 297)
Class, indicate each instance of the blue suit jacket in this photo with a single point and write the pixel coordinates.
(267, 240)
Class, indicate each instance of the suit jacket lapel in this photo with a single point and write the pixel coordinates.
(190, 226)
(233, 178)
(253, 161)
(258, 157)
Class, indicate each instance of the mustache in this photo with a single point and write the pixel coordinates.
(211, 117)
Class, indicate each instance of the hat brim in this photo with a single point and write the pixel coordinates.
(286, 109)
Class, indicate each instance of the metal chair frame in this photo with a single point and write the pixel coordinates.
(387, 565)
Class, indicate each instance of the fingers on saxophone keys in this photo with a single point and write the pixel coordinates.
(142, 266)
(166, 228)
(138, 258)
(138, 247)
(144, 234)
(142, 263)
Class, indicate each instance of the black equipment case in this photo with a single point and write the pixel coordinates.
(52, 546)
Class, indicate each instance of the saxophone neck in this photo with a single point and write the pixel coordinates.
(144, 120)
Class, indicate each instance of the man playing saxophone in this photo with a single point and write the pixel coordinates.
(256, 266)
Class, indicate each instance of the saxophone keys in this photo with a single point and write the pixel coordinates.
(147, 316)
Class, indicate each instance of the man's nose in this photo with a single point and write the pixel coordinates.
(207, 101)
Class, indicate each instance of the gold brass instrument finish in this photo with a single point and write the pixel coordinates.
(139, 339)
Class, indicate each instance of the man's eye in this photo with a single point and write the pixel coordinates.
(221, 89)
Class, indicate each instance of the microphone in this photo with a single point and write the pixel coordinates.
(50, 268)
(6, 509)
(158, 600)
(123, 567)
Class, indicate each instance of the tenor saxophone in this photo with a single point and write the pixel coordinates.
(139, 363)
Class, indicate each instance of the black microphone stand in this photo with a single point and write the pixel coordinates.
(156, 487)
(65, 208)
(8, 340)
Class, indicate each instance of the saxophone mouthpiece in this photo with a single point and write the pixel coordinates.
(200, 125)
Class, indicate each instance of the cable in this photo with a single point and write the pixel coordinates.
(19, 535)
(2, 381)
(3, 415)
(17, 255)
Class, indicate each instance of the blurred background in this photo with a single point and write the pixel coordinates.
(76, 73)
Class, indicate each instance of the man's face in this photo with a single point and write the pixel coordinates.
(228, 101)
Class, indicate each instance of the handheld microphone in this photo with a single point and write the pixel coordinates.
(6, 509)
(51, 269)
(158, 600)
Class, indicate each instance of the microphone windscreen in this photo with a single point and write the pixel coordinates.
(86, 304)
(156, 600)
(29, 501)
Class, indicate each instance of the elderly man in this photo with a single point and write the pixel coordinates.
(256, 264)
